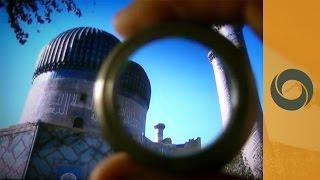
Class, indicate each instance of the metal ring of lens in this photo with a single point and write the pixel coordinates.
(243, 98)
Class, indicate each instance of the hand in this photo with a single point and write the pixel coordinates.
(144, 13)
(121, 166)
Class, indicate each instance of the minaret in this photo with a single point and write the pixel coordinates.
(159, 127)
(252, 151)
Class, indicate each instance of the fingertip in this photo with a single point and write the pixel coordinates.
(116, 166)
(253, 14)
(108, 167)
(118, 22)
(140, 15)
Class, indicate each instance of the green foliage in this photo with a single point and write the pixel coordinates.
(28, 11)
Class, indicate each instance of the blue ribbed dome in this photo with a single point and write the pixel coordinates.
(134, 82)
(81, 48)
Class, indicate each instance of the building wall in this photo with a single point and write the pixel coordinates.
(133, 115)
(59, 97)
(59, 150)
(168, 149)
(42, 151)
(15, 147)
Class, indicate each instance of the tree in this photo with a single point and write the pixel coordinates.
(28, 11)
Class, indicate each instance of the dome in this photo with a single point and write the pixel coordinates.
(134, 82)
(81, 48)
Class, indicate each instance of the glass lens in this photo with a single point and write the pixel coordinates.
(173, 96)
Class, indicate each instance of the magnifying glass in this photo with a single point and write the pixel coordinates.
(160, 80)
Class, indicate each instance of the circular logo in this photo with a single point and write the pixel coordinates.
(291, 104)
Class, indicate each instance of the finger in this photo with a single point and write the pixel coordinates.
(254, 16)
(119, 166)
(143, 13)
(113, 167)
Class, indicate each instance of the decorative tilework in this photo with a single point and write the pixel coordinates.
(15, 146)
(65, 150)
(55, 151)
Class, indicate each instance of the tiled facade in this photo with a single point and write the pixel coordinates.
(15, 148)
(41, 150)
(59, 150)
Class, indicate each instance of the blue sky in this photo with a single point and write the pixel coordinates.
(17, 65)
(183, 92)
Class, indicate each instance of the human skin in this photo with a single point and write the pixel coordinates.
(121, 166)
(145, 13)
(141, 14)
